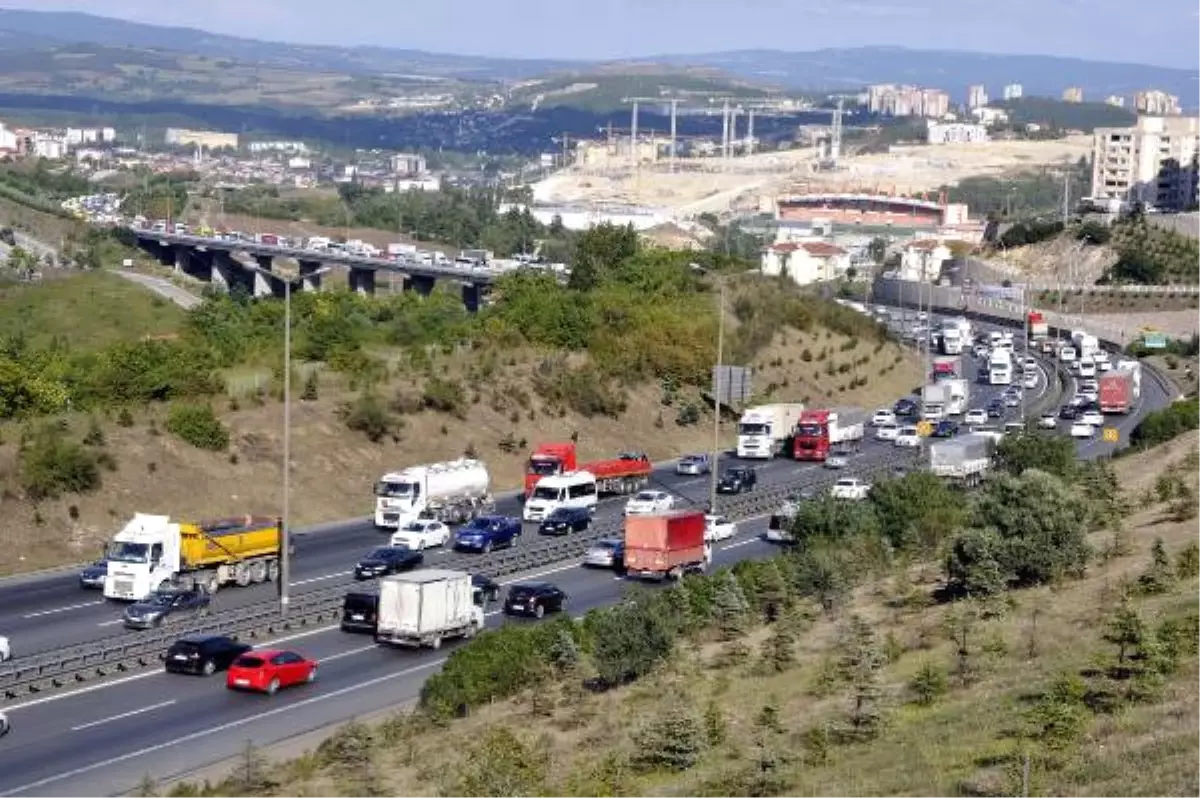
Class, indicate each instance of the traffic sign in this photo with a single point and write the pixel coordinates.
(924, 429)
(1111, 434)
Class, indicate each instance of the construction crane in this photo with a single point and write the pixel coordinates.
(633, 124)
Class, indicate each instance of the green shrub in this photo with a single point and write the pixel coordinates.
(51, 465)
(368, 415)
(1159, 426)
(445, 396)
(198, 425)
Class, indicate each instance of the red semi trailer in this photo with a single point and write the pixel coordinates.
(628, 472)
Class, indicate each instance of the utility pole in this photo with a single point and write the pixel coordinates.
(750, 131)
(674, 110)
(716, 463)
(633, 134)
(285, 536)
(724, 133)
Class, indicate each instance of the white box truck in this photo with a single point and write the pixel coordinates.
(763, 430)
(452, 492)
(965, 459)
(422, 608)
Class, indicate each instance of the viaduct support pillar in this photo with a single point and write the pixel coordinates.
(309, 281)
(472, 297)
(263, 285)
(420, 283)
(362, 281)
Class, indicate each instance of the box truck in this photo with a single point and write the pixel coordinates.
(422, 608)
(666, 546)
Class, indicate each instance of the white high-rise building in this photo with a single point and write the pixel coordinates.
(976, 96)
(1013, 91)
(1154, 162)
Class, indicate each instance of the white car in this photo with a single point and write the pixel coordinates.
(421, 534)
(1081, 430)
(1092, 418)
(933, 412)
(1087, 395)
(5, 726)
(1048, 421)
(882, 417)
(5, 649)
(976, 416)
(649, 502)
(850, 488)
(1030, 364)
(887, 432)
(718, 527)
(1030, 381)
(908, 437)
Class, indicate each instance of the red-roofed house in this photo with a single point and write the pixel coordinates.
(805, 261)
(922, 260)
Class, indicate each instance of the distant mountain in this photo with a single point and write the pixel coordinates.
(818, 69)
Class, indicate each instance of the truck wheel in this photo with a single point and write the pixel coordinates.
(212, 584)
(165, 585)
(273, 571)
(258, 572)
(471, 631)
(241, 574)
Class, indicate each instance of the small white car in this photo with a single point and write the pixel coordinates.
(649, 502)
(1012, 400)
(1030, 380)
(1081, 430)
(422, 534)
(1048, 421)
(1087, 394)
(933, 412)
(882, 417)
(887, 432)
(1093, 418)
(908, 438)
(718, 527)
(850, 489)
(976, 416)
(5, 649)
(5, 726)
(1067, 354)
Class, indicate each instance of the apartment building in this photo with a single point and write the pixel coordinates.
(1156, 103)
(1013, 91)
(1154, 162)
(956, 133)
(891, 100)
(977, 96)
(209, 139)
(1115, 100)
(1072, 94)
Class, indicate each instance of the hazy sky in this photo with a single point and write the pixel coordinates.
(1162, 32)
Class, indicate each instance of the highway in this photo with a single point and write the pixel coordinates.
(102, 739)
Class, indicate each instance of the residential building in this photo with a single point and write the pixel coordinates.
(1072, 94)
(805, 262)
(1156, 103)
(922, 260)
(1013, 91)
(890, 100)
(956, 133)
(407, 164)
(46, 146)
(935, 103)
(258, 147)
(209, 139)
(990, 116)
(1154, 163)
(9, 143)
(1115, 100)
(977, 96)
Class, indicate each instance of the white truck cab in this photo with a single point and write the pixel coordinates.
(452, 491)
(142, 557)
(572, 489)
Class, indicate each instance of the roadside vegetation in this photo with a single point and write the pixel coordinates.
(919, 643)
(1018, 196)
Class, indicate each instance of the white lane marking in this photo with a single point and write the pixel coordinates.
(128, 714)
(320, 578)
(111, 623)
(79, 771)
(57, 610)
(348, 653)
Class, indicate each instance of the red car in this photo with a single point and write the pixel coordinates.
(268, 670)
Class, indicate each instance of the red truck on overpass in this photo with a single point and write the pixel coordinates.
(820, 430)
(628, 472)
(667, 545)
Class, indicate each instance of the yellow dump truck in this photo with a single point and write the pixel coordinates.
(153, 552)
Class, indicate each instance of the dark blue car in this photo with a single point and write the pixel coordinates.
(92, 577)
(905, 407)
(488, 532)
(946, 428)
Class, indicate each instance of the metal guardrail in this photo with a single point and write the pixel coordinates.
(129, 653)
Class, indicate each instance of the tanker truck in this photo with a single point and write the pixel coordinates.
(452, 492)
(152, 552)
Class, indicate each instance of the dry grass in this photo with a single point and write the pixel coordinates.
(964, 744)
(334, 468)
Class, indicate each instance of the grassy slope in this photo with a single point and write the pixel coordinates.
(336, 467)
(961, 745)
(606, 89)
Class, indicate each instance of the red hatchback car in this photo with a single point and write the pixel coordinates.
(266, 671)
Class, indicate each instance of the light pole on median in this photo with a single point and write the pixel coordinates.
(716, 463)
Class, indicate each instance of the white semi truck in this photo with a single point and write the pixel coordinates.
(964, 460)
(452, 492)
(421, 608)
(763, 430)
(955, 335)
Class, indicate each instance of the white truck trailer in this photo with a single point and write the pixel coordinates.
(422, 608)
(957, 395)
(763, 430)
(964, 460)
(955, 335)
(452, 492)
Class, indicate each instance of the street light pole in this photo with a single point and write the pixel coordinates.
(285, 537)
(716, 464)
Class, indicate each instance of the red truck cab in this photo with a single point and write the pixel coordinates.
(811, 439)
(548, 459)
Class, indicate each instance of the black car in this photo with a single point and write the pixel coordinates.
(164, 606)
(905, 407)
(203, 655)
(1068, 412)
(360, 612)
(995, 409)
(487, 587)
(92, 577)
(534, 598)
(736, 480)
(387, 560)
(565, 520)
(946, 428)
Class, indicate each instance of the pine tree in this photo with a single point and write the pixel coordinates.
(861, 663)
(929, 684)
(671, 741)
(715, 726)
(1159, 576)
(730, 608)
(1187, 564)
(1125, 630)
(779, 649)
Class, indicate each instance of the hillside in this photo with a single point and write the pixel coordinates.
(1047, 112)
(1085, 687)
(379, 384)
(606, 89)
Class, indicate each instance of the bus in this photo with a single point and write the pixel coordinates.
(1000, 367)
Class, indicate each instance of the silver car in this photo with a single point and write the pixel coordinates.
(693, 465)
(605, 553)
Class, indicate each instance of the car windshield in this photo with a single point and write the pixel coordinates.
(127, 552)
(549, 494)
(561, 514)
(394, 490)
(845, 483)
(646, 496)
(414, 526)
(360, 602)
(608, 545)
(160, 599)
(542, 467)
(382, 553)
(249, 662)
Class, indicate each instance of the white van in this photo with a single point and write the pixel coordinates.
(1066, 354)
(572, 489)
(1087, 368)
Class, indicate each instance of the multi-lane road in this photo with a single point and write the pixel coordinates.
(104, 738)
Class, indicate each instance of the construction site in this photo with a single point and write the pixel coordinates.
(668, 176)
